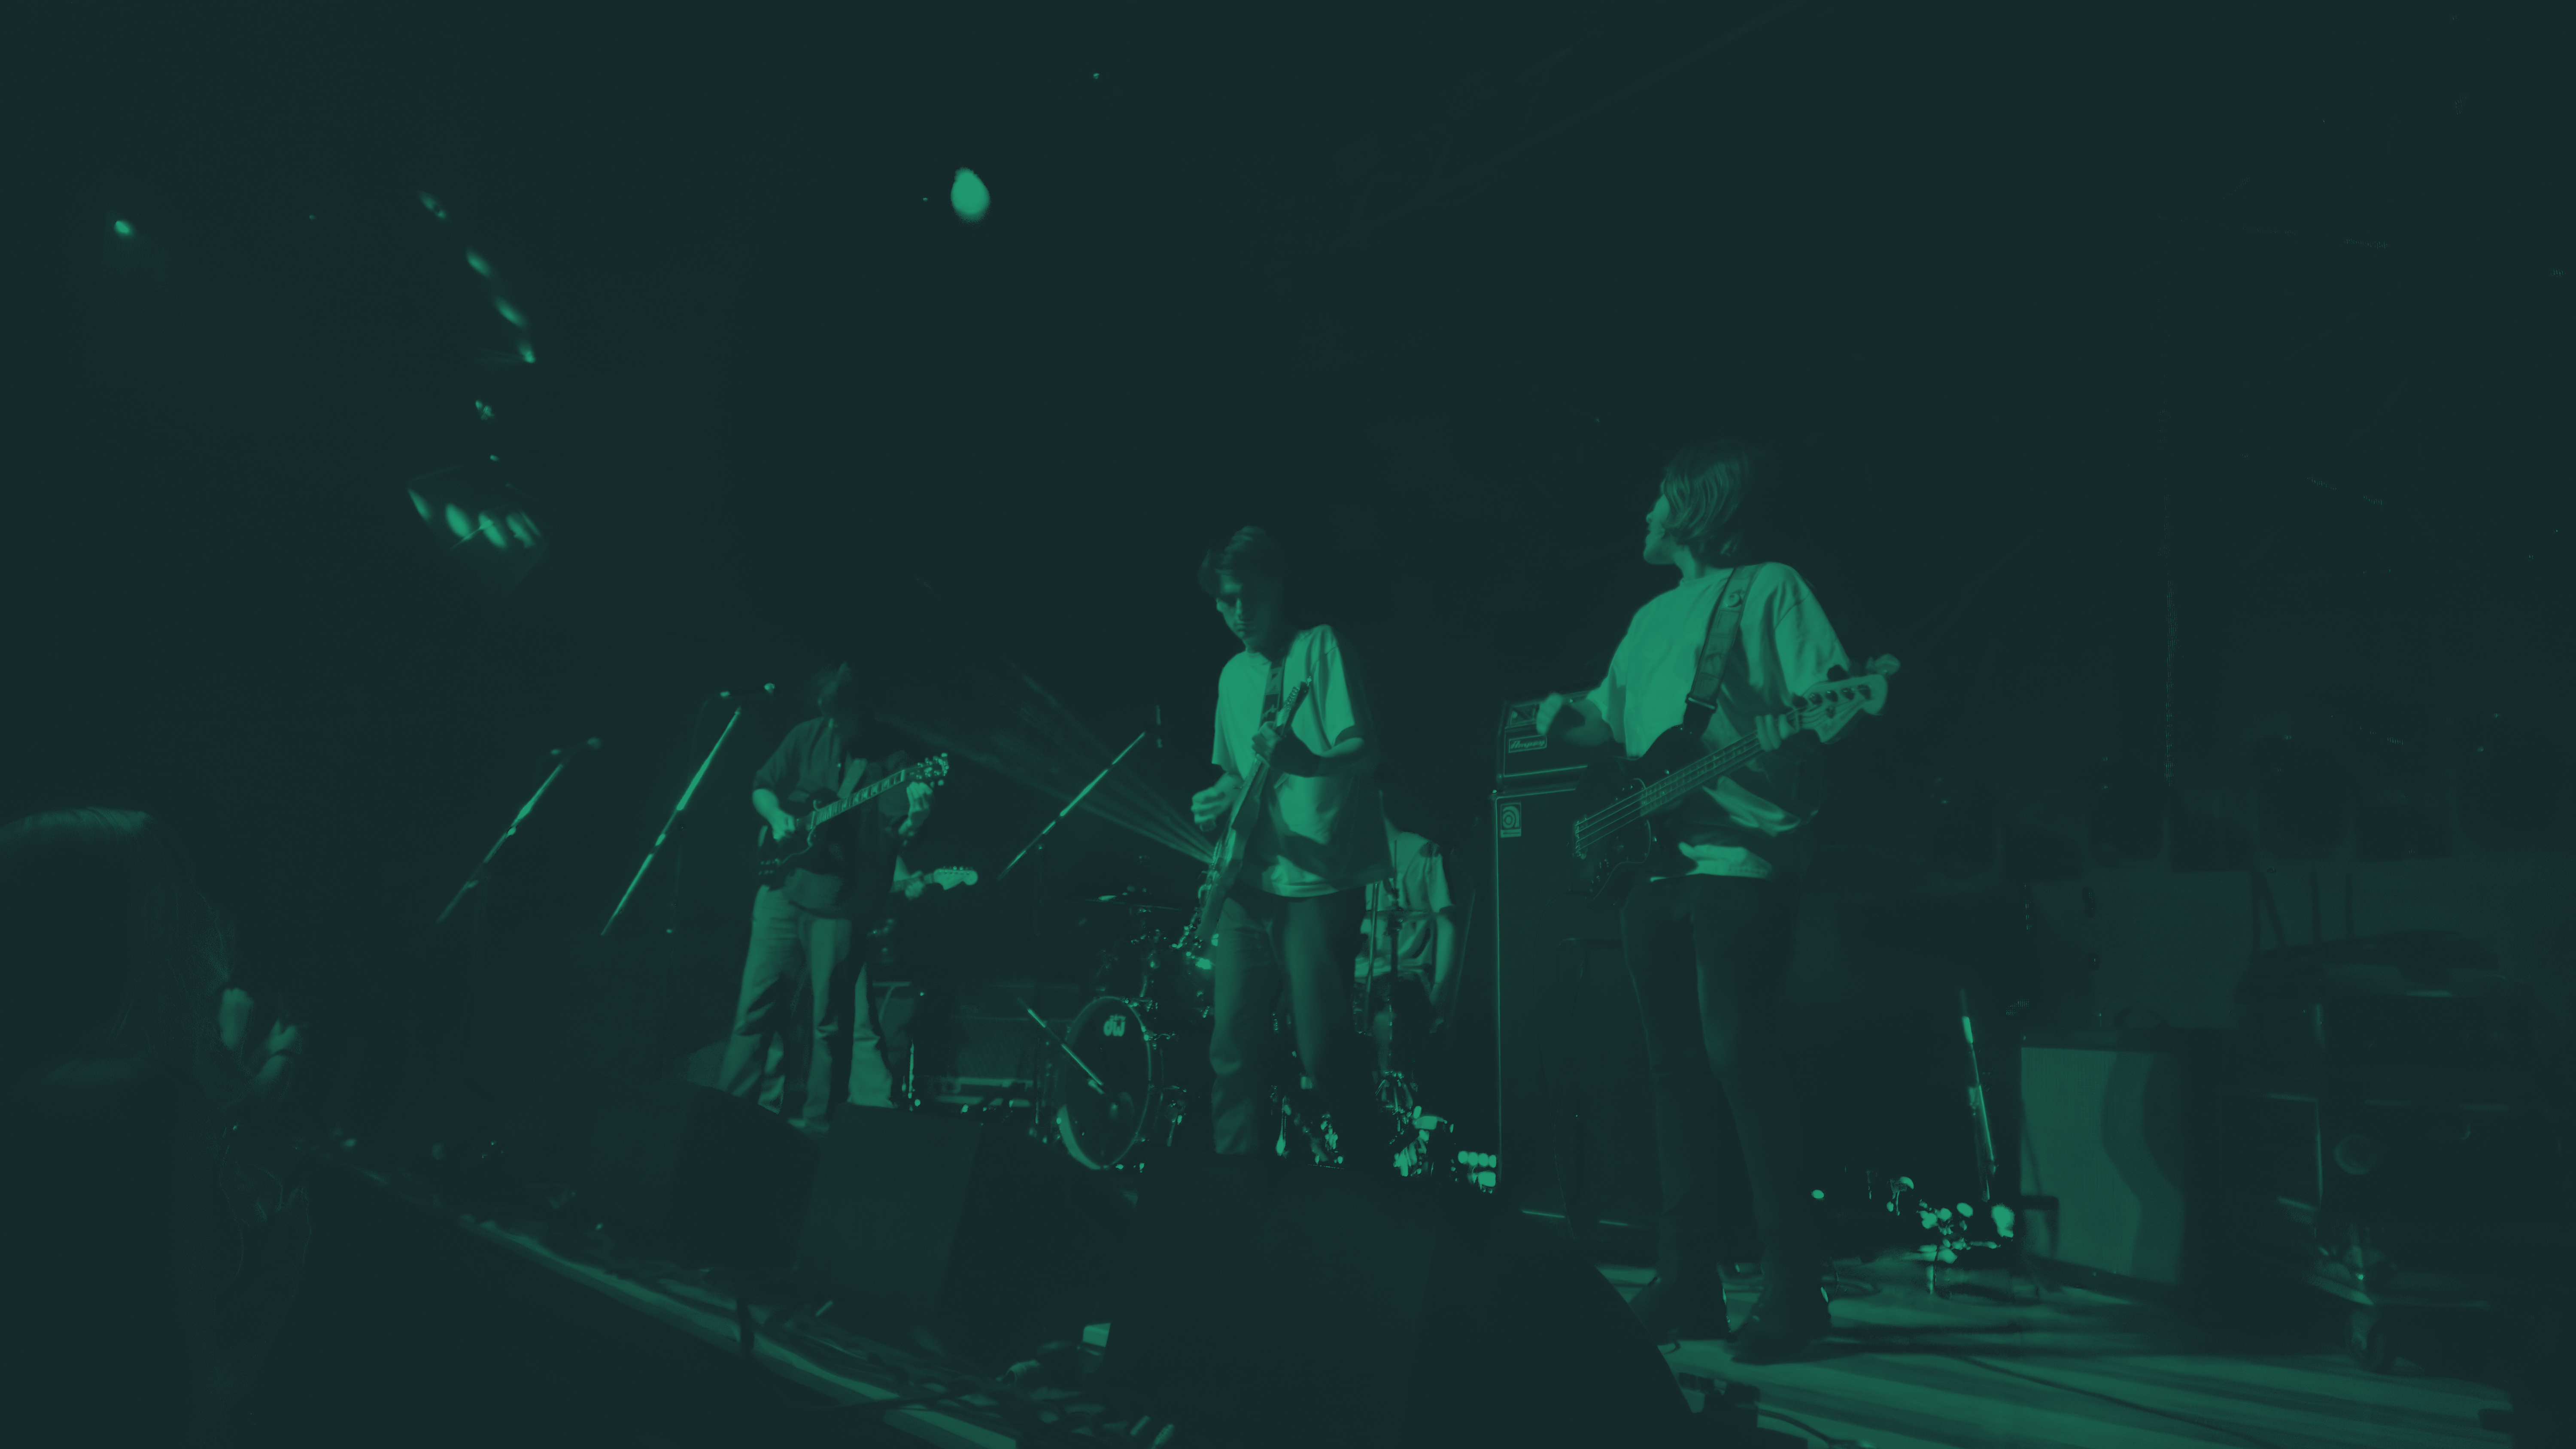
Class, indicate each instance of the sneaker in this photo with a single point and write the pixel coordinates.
(1688, 1307)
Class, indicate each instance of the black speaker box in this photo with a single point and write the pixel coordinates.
(1272, 1303)
(711, 1178)
(967, 1232)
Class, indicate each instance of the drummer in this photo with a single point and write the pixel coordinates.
(1409, 969)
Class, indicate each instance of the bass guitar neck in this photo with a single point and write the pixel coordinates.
(1234, 843)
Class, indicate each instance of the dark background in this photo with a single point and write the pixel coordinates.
(2134, 372)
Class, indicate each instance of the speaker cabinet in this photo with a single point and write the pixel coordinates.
(2131, 1133)
(1575, 1134)
(1269, 1303)
(966, 1231)
(712, 1178)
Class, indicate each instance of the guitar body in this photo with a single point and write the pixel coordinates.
(777, 857)
(1645, 842)
(1631, 815)
(1234, 846)
(774, 856)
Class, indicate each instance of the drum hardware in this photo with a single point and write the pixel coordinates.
(1061, 1045)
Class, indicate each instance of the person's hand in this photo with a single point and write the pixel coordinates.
(276, 1057)
(1444, 1005)
(1210, 805)
(782, 826)
(919, 794)
(1774, 729)
(232, 1018)
(1274, 745)
(1548, 709)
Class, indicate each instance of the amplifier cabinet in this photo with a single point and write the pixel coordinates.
(1575, 1111)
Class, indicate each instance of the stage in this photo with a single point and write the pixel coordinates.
(653, 1352)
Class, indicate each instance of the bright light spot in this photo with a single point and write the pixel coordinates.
(510, 313)
(1949, 1255)
(520, 530)
(125, 228)
(1817, 1193)
(2004, 1218)
(527, 353)
(1945, 1215)
(475, 260)
(1966, 1211)
(420, 503)
(458, 523)
(483, 410)
(969, 196)
(492, 531)
(430, 204)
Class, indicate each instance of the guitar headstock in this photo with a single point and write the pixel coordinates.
(930, 771)
(1863, 693)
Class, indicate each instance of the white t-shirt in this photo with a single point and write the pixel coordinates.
(1322, 833)
(1419, 891)
(1783, 649)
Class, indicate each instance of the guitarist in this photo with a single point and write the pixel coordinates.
(1295, 910)
(1708, 933)
(801, 931)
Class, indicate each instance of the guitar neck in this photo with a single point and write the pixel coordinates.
(1706, 770)
(828, 812)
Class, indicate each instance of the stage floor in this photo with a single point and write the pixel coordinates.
(1903, 1370)
(1907, 1370)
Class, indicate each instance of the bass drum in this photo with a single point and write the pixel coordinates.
(1149, 1082)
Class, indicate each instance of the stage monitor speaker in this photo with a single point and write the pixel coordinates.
(712, 1178)
(2128, 1131)
(1272, 1303)
(1576, 1112)
(968, 1232)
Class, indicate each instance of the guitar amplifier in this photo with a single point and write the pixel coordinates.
(1521, 752)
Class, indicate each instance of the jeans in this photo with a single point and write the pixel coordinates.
(1709, 956)
(1316, 939)
(792, 946)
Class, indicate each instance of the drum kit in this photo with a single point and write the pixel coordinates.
(1131, 1068)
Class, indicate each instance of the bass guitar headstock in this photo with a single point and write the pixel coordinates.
(1829, 704)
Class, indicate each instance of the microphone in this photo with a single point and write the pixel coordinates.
(589, 744)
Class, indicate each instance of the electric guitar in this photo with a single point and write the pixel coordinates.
(1236, 841)
(947, 877)
(1623, 827)
(776, 854)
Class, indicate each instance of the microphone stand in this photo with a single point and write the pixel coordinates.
(1040, 839)
(686, 795)
(483, 867)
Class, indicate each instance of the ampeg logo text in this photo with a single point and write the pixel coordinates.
(1510, 821)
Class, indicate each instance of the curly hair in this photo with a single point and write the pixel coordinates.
(114, 950)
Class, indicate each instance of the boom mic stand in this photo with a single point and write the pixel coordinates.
(1039, 840)
(483, 867)
(686, 795)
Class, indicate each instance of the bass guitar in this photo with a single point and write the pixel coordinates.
(1234, 843)
(776, 854)
(1627, 806)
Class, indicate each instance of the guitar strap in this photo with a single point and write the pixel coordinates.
(1724, 622)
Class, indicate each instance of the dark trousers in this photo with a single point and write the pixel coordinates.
(1709, 957)
(798, 957)
(1313, 942)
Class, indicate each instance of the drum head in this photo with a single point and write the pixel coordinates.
(1102, 1128)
